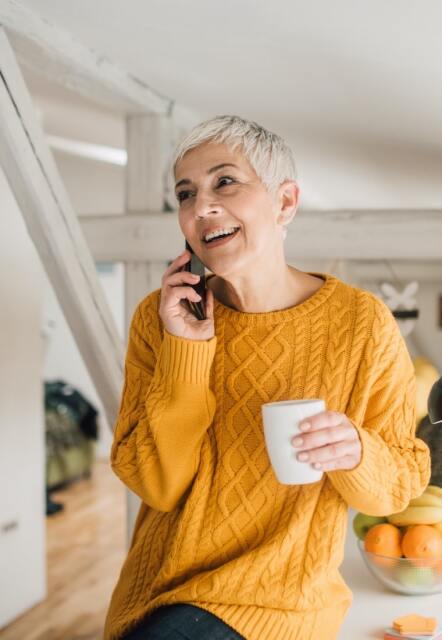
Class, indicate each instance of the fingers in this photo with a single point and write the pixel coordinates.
(323, 437)
(177, 264)
(328, 440)
(181, 277)
(329, 452)
(321, 420)
(176, 294)
(173, 277)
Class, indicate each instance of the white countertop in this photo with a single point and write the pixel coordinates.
(374, 607)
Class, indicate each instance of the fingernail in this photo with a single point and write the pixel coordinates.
(303, 457)
(305, 426)
(298, 442)
(317, 465)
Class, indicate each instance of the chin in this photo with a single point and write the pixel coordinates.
(228, 261)
(225, 269)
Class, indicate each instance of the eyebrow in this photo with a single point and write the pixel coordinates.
(211, 170)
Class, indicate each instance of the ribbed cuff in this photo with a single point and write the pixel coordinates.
(187, 360)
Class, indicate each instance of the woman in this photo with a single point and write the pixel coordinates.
(220, 549)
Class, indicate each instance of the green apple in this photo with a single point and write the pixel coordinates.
(411, 576)
(362, 523)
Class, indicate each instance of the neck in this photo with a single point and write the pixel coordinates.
(262, 294)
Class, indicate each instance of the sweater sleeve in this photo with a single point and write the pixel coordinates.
(395, 465)
(165, 410)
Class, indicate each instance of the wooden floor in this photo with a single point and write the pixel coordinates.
(85, 550)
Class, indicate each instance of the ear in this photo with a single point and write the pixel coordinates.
(287, 201)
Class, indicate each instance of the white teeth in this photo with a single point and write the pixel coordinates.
(219, 232)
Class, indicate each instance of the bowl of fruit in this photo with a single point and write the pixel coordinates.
(404, 550)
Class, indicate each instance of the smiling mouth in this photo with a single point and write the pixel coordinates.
(218, 238)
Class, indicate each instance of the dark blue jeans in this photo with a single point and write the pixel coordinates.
(182, 622)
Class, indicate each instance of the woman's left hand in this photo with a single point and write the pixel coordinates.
(331, 441)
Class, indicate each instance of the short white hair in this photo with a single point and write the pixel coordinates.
(269, 154)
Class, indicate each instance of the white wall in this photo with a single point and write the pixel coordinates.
(22, 469)
(93, 187)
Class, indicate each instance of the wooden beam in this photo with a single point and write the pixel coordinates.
(427, 271)
(51, 51)
(370, 271)
(148, 143)
(56, 233)
(313, 235)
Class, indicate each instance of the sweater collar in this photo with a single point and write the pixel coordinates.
(281, 315)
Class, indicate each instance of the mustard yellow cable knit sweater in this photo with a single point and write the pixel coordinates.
(215, 528)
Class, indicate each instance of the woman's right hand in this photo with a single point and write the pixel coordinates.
(177, 320)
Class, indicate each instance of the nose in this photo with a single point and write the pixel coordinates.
(204, 205)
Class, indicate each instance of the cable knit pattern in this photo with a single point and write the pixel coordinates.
(215, 528)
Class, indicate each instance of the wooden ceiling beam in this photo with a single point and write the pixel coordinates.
(349, 235)
(51, 51)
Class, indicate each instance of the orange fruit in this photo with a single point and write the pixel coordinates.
(422, 545)
(384, 540)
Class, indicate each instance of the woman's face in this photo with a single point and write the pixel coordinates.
(218, 189)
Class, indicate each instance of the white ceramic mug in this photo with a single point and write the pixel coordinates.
(281, 423)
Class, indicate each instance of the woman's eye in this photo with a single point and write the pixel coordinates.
(183, 195)
(225, 180)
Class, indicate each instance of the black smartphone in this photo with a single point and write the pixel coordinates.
(194, 265)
